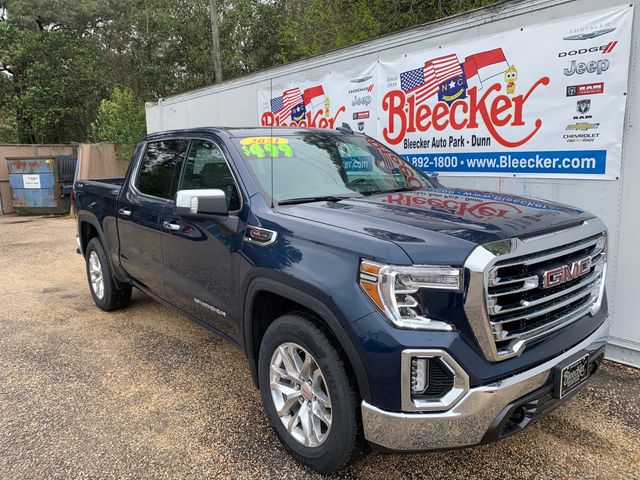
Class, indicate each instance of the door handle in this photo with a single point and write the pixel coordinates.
(124, 212)
(174, 227)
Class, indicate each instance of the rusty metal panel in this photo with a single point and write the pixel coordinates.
(34, 184)
(30, 165)
(34, 198)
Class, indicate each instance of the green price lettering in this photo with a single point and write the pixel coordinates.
(286, 149)
(272, 149)
(253, 150)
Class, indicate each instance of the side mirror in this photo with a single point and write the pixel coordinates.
(204, 203)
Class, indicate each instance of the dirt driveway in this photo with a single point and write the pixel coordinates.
(146, 392)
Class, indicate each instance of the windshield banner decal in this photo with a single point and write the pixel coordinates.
(547, 100)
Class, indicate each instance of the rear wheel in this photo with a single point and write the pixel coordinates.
(107, 294)
(309, 398)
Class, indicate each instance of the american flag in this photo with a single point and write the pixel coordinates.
(424, 82)
(281, 106)
(385, 160)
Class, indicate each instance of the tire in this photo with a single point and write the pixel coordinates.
(112, 296)
(324, 449)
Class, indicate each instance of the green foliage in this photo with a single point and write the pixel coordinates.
(121, 120)
(60, 58)
(311, 27)
(8, 126)
(55, 83)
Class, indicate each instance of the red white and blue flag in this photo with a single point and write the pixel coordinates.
(423, 82)
(386, 160)
(282, 106)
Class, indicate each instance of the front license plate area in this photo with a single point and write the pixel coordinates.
(570, 376)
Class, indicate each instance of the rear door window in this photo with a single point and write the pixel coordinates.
(161, 160)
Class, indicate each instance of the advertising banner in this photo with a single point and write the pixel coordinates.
(547, 100)
(324, 102)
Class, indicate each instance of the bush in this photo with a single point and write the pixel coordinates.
(120, 119)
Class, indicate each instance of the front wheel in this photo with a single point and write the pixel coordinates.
(309, 398)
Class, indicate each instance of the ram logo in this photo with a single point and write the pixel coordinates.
(566, 273)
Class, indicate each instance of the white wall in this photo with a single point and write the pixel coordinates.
(234, 103)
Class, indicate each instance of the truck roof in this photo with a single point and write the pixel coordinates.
(242, 131)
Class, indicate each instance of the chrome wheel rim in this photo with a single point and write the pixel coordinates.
(95, 274)
(300, 394)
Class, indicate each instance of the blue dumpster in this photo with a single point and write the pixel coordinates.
(41, 185)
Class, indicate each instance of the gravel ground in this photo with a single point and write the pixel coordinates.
(145, 392)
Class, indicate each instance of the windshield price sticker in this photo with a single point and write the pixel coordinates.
(261, 147)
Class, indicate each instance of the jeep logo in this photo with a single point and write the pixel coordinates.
(566, 273)
(594, 66)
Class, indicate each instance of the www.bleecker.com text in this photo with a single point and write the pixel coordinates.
(535, 162)
(446, 142)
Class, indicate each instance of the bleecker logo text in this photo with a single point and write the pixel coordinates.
(494, 112)
(462, 208)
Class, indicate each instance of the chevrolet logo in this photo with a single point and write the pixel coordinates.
(582, 126)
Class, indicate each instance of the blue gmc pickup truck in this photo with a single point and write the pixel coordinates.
(371, 301)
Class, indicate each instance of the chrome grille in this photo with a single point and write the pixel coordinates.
(506, 302)
(520, 308)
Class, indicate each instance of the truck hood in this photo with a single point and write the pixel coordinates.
(441, 225)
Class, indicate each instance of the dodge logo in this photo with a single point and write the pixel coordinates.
(565, 273)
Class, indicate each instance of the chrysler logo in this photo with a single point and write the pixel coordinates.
(566, 273)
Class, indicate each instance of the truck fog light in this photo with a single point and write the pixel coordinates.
(419, 375)
(431, 380)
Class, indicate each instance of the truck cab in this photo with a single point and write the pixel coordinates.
(369, 300)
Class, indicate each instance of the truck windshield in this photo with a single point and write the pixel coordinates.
(311, 166)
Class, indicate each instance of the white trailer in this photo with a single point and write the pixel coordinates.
(246, 101)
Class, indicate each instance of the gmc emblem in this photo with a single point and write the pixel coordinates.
(565, 273)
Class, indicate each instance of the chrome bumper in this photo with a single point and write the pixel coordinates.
(470, 419)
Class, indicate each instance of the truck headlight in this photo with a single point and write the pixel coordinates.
(393, 289)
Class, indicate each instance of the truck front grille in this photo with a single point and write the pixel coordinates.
(522, 289)
(521, 307)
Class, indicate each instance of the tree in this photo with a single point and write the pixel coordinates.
(55, 80)
(215, 40)
(60, 58)
(8, 127)
(120, 119)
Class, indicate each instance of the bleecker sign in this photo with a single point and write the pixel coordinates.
(404, 116)
(496, 105)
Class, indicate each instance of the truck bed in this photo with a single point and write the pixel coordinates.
(116, 182)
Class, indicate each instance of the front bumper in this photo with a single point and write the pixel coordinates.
(477, 417)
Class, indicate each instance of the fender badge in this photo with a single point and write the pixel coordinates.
(259, 236)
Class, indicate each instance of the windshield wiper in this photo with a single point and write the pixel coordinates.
(393, 190)
(326, 198)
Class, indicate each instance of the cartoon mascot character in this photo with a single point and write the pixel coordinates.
(510, 77)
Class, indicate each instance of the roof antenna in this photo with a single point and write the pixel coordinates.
(271, 135)
(345, 128)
